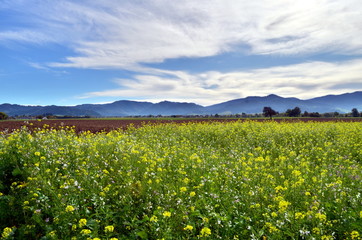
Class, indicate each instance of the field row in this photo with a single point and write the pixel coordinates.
(109, 124)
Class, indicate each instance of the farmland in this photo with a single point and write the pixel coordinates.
(109, 124)
(182, 180)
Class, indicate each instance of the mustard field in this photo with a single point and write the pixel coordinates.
(241, 180)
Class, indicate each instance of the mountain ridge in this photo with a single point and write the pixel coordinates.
(342, 103)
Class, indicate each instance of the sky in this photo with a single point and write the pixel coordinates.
(66, 52)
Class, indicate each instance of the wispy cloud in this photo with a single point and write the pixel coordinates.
(304, 80)
(24, 36)
(125, 34)
(129, 34)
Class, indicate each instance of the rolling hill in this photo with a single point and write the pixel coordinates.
(331, 103)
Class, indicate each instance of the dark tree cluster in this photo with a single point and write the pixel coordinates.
(295, 112)
(355, 113)
(269, 112)
(3, 116)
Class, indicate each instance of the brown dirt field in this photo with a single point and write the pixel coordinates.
(97, 125)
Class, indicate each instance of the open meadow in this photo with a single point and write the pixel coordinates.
(206, 180)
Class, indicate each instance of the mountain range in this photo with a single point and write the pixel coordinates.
(342, 103)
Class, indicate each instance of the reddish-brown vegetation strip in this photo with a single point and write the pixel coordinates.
(98, 125)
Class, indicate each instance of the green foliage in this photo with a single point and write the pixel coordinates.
(269, 112)
(295, 112)
(355, 112)
(241, 180)
(3, 116)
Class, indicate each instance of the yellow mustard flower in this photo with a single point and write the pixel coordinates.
(166, 214)
(283, 205)
(109, 228)
(69, 208)
(7, 232)
(74, 227)
(153, 219)
(85, 231)
(354, 235)
(188, 228)
(82, 222)
(205, 232)
(299, 215)
(321, 217)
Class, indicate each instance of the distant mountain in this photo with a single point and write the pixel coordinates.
(255, 105)
(340, 103)
(331, 103)
(118, 108)
(20, 110)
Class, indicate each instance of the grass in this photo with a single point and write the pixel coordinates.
(240, 180)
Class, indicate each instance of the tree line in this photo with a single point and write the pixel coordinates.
(267, 112)
(297, 112)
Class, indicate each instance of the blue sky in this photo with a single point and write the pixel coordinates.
(207, 51)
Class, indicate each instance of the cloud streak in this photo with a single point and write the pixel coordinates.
(113, 34)
(131, 34)
(306, 80)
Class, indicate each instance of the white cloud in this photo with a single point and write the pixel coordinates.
(306, 80)
(125, 34)
(25, 36)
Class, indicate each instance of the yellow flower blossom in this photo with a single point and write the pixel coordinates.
(327, 237)
(7, 232)
(166, 214)
(283, 205)
(109, 228)
(299, 215)
(69, 208)
(321, 217)
(85, 232)
(316, 231)
(188, 228)
(205, 232)
(82, 222)
(296, 173)
(153, 219)
(355, 235)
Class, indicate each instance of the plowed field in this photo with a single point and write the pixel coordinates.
(97, 125)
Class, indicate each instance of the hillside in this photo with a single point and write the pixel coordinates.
(331, 103)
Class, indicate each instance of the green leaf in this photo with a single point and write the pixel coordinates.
(142, 234)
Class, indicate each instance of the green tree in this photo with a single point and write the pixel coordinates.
(355, 112)
(269, 112)
(3, 116)
(295, 112)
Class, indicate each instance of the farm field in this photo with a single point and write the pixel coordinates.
(108, 124)
(182, 180)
